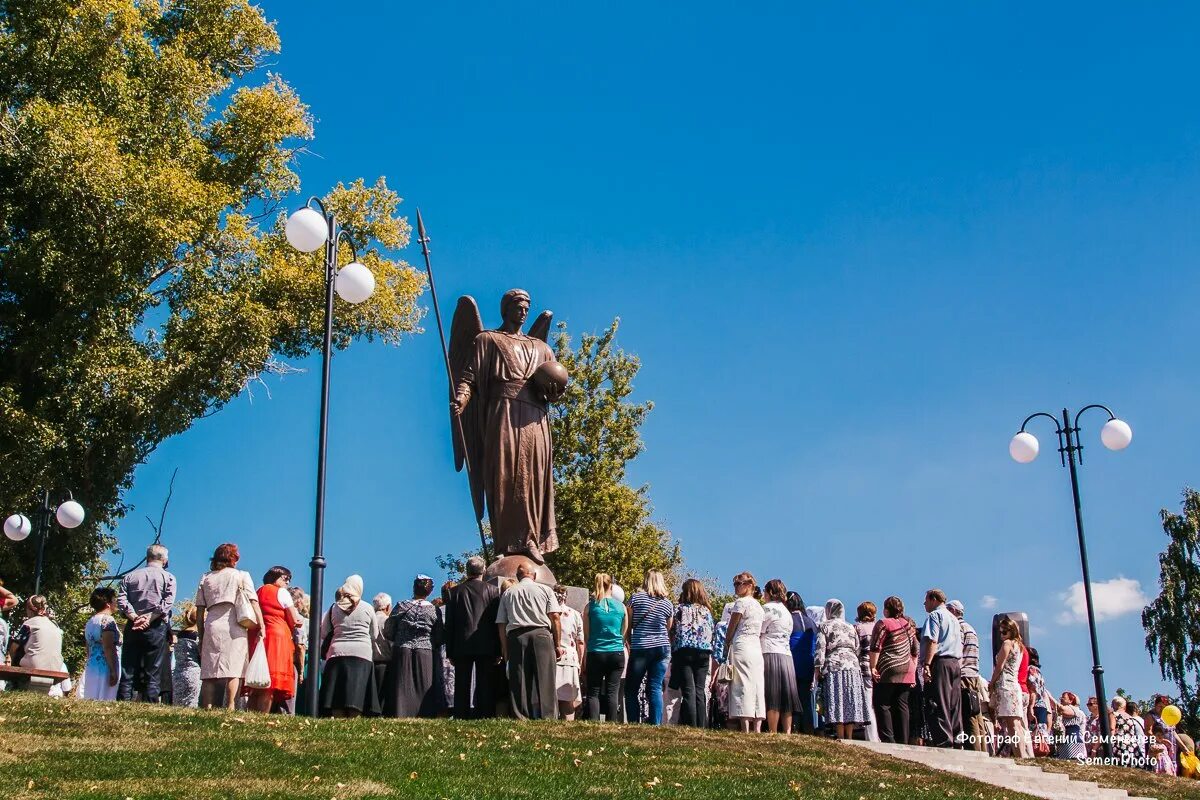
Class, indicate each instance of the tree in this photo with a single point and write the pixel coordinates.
(604, 525)
(1172, 621)
(144, 279)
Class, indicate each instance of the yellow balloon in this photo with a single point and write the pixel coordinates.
(1171, 715)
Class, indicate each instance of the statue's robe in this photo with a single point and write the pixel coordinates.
(516, 468)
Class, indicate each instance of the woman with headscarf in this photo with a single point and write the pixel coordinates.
(414, 630)
(348, 631)
(836, 667)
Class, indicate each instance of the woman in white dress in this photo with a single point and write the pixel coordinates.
(103, 670)
(567, 667)
(224, 643)
(1008, 701)
(743, 653)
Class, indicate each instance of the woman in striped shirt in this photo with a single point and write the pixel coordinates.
(650, 615)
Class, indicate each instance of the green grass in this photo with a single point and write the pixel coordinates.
(76, 749)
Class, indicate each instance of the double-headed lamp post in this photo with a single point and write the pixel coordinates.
(308, 229)
(1116, 435)
(18, 527)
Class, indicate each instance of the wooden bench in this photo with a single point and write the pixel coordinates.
(31, 679)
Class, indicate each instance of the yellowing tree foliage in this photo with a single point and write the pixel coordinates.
(144, 278)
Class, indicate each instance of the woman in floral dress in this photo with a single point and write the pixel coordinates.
(103, 670)
(185, 675)
(837, 668)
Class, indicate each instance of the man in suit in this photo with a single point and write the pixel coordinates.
(473, 642)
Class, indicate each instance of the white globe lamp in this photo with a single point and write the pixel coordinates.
(1116, 434)
(70, 514)
(1023, 448)
(17, 527)
(355, 283)
(306, 230)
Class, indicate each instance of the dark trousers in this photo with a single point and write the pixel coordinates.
(484, 669)
(141, 661)
(604, 680)
(689, 671)
(943, 699)
(890, 703)
(532, 692)
(804, 720)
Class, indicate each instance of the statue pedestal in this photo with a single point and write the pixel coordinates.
(506, 567)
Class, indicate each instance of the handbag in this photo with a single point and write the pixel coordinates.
(258, 673)
(1041, 742)
(724, 673)
(327, 640)
(245, 609)
(971, 706)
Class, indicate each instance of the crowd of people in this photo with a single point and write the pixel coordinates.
(482, 649)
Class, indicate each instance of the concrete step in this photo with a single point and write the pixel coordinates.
(1000, 772)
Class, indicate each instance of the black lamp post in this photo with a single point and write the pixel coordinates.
(17, 527)
(1116, 435)
(307, 230)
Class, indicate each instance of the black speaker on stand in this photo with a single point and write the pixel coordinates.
(1019, 617)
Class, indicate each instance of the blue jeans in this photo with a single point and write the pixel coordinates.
(649, 664)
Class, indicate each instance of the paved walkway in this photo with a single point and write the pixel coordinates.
(1002, 772)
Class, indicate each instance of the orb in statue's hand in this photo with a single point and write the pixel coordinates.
(551, 379)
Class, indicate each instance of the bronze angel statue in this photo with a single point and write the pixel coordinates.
(504, 381)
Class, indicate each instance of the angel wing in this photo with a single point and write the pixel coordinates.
(467, 430)
(541, 326)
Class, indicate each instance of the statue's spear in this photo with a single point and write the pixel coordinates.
(437, 315)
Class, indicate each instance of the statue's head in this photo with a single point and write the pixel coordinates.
(514, 307)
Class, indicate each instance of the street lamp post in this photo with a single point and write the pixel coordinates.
(18, 527)
(308, 229)
(1116, 435)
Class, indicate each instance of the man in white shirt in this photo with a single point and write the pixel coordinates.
(531, 643)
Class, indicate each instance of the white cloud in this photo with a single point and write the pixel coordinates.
(1113, 598)
(989, 602)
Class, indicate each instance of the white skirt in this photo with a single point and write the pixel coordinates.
(93, 685)
(748, 691)
(567, 680)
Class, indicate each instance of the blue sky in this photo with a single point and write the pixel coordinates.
(854, 248)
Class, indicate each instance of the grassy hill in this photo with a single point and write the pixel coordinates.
(73, 750)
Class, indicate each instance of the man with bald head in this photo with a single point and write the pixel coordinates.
(530, 641)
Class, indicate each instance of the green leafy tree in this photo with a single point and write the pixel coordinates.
(144, 278)
(604, 524)
(1172, 620)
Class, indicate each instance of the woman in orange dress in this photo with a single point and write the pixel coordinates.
(280, 618)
